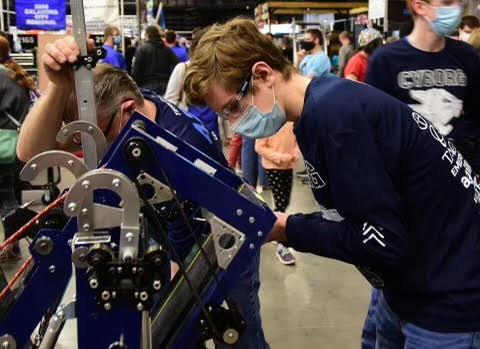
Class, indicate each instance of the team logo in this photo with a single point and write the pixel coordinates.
(316, 182)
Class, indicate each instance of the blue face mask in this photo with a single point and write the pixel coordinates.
(117, 39)
(255, 124)
(447, 19)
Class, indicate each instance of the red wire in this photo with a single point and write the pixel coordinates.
(32, 221)
(7, 289)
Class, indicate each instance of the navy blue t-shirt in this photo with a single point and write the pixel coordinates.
(443, 86)
(394, 195)
(191, 130)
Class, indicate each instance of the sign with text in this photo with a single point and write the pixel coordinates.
(41, 14)
(100, 14)
(376, 9)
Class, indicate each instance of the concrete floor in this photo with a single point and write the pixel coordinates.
(318, 303)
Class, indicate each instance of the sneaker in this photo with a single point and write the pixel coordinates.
(285, 256)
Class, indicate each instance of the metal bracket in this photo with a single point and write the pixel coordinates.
(227, 239)
(52, 158)
(87, 129)
(90, 61)
(64, 312)
(79, 202)
(161, 191)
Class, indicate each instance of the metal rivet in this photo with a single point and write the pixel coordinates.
(157, 285)
(70, 163)
(144, 296)
(251, 220)
(51, 269)
(34, 167)
(105, 295)
(239, 212)
(84, 211)
(93, 283)
(86, 227)
(90, 129)
(107, 306)
(72, 207)
(65, 132)
(86, 184)
(260, 234)
(116, 182)
(129, 236)
(252, 246)
(140, 307)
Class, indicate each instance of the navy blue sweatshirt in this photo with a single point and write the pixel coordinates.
(443, 86)
(396, 196)
(191, 130)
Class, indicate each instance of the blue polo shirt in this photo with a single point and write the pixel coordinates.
(114, 58)
(316, 65)
(396, 196)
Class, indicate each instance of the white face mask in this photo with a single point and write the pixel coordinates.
(464, 36)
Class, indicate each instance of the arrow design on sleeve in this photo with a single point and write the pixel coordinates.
(374, 234)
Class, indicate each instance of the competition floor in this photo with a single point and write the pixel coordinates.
(318, 303)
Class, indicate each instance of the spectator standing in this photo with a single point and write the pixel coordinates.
(474, 40)
(368, 40)
(346, 52)
(171, 41)
(153, 62)
(287, 48)
(279, 155)
(112, 38)
(311, 60)
(467, 25)
(439, 78)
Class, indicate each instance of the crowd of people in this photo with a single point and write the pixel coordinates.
(388, 131)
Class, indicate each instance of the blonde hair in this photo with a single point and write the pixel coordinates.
(474, 39)
(226, 54)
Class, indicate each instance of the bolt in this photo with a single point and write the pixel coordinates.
(136, 152)
(260, 234)
(84, 211)
(105, 295)
(69, 242)
(107, 306)
(144, 296)
(139, 306)
(93, 284)
(251, 220)
(252, 246)
(90, 129)
(70, 163)
(113, 245)
(86, 184)
(116, 182)
(51, 269)
(202, 322)
(34, 167)
(89, 59)
(157, 285)
(210, 309)
(239, 212)
(129, 236)
(72, 207)
(119, 270)
(86, 227)
(134, 270)
(135, 295)
(114, 294)
(65, 132)
(6, 345)
(89, 66)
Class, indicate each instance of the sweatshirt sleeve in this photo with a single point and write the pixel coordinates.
(175, 84)
(138, 64)
(372, 234)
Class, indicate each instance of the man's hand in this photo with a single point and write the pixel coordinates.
(58, 58)
(278, 232)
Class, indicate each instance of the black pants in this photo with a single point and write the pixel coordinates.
(281, 183)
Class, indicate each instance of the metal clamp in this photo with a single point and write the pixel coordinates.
(52, 158)
(88, 130)
(79, 202)
(227, 239)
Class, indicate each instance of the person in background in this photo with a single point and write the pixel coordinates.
(439, 78)
(311, 60)
(112, 39)
(129, 54)
(467, 25)
(346, 52)
(279, 155)
(176, 95)
(368, 41)
(16, 86)
(474, 40)
(171, 41)
(287, 48)
(153, 62)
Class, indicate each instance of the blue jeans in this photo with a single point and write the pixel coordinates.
(252, 164)
(392, 333)
(245, 295)
(369, 333)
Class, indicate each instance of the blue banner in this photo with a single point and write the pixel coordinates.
(41, 14)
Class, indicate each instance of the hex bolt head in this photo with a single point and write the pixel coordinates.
(90, 129)
(86, 227)
(116, 182)
(136, 152)
(251, 220)
(51, 269)
(252, 246)
(157, 285)
(84, 211)
(72, 207)
(105, 295)
(143, 296)
(33, 167)
(260, 234)
(107, 306)
(129, 236)
(66, 132)
(239, 212)
(86, 184)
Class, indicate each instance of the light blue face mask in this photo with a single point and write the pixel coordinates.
(117, 39)
(447, 19)
(255, 124)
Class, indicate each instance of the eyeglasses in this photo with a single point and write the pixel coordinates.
(77, 137)
(241, 93)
